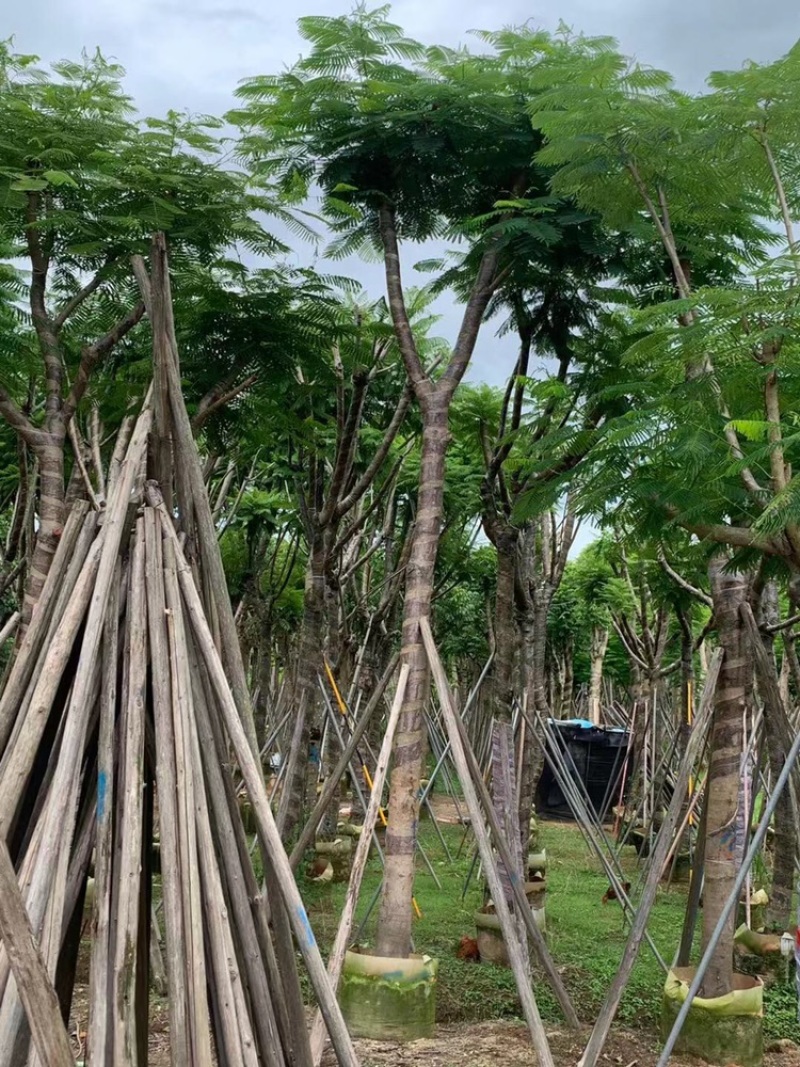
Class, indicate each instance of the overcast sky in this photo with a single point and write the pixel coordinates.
(191, 54)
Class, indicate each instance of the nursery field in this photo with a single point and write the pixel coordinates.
(477, 1005)
(586, 938)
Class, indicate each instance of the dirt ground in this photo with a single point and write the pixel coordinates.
(493, 1044)
(488, 1044)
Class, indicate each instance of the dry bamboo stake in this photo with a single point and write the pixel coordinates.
(514, 947)
(187, 841)
(157, 971)
(235, 1039)
(28, 652)
(118, 455)
(602, 1025)
(9, 628)
(265, 823)
(523, 907)
(359, 862)
(130, 825)
(166, 782)
(157, 297)
(46, 890)
(35, 988)
(238, 876)
(98, 1048)
(340, 769)
(291, 765)
(20, 754)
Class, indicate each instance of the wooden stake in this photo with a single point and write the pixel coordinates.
(98, 1050)
(265, 823)
(157, 297)
(522, 906)
(166, 782)
(237, 873)
(130, 820)
(342, 938)
(35, 988)
(23, 746)
(602, 1026)
(332, 782)
(517, 958)
(28, 652)
(187, 838)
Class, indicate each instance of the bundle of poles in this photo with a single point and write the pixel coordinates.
(121, 720)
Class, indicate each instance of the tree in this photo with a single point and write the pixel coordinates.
(82, 186)
(707, 444)
(406, 143)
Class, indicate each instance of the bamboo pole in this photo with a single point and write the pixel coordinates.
(157, 297)
(32, 980)
(23, 745)
(514, 947)
(9, 627)
(265, 823)
(523, 907)
(46, 890)
(166, 782)
(98, 1048)
(27, 654)
(340, 943)
(194, 960)
(608, 1010)
(235, 1040)
(238, 875)
(310, 828)
(127, 875)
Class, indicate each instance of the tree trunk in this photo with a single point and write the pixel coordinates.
(729, 592)
(51, 521)
(599, 645)
(307, 695)
(568, 695)
(504, 627)
(535, 668)
(779, 910)
(394, 925)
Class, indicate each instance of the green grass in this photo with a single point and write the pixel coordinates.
(586, 937)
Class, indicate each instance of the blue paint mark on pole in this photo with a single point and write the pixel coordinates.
(308, 933)
(101, 795)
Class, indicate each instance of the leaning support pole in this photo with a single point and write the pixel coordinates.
(33, 982)
(534, 933)
(335, 776)
(731, 902)
(609, 1009)
(265, 823)
(359, 862)
(517, 957)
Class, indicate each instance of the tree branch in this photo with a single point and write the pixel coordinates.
(75, 302)
(698, 594)
(735, 536)
(377, 461)
(347, 437)
(214, 400)
(92, 354)
(478, 301)
(18, 421)
(48, 341)
(397, 304)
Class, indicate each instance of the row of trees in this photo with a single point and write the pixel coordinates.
(636, 241)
